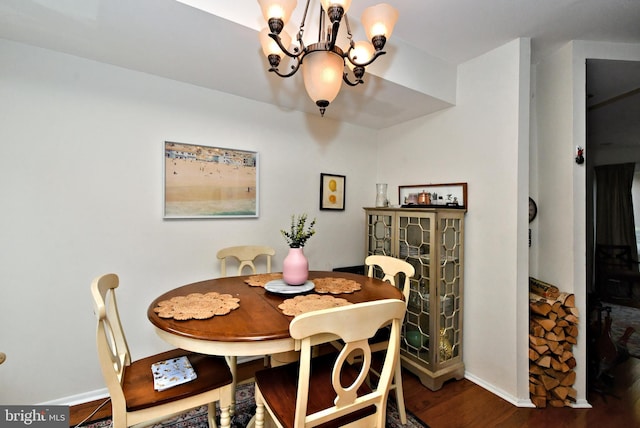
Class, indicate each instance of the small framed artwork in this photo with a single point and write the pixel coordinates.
(332, 191)
(449, 195)
(209, 182)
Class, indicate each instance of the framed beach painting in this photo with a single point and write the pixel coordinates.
(332, 189)
(209, 182)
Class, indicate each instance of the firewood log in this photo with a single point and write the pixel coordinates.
(545, 323)
(542, 288)
(539, 401)
(540, 308)
(549, 382)
(569, 379)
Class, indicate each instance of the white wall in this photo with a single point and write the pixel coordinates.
(81, 185)
(562, 200)
(482, 141)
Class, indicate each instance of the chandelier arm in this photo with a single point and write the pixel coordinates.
(294, 69)
(349, 35)
(297, 51)
(302, 23)
(335, 26)
(364, 64)
(346, 80)
(304, 16)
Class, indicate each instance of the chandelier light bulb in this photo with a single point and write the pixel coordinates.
(271, 49)
(277, 12)
(322, 74)
(378, 22)
(335, 9)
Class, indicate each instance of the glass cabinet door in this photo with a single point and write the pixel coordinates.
(379, 233)
(415, 235)
(449, 288)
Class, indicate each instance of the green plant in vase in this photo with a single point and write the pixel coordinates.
(298, 236)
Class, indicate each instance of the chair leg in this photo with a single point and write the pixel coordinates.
(259, 416)
(397, 381)
(211, 415)
(232, 362)
(225, 417)
(118, 418)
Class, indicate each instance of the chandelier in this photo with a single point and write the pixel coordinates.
(323, 63)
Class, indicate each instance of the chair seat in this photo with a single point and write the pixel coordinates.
(278, 386)
(212, 373)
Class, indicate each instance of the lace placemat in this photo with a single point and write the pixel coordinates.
(336, 285)
(261, 279)
(311, 302)
(197, 306)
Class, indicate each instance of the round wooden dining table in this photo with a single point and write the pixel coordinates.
(257, 326)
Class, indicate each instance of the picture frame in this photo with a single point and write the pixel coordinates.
(210, 182)
(332, 192)
(447, 195)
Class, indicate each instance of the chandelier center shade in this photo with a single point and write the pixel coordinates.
(324, 64)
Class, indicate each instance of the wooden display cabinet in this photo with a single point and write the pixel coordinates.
(432, 240)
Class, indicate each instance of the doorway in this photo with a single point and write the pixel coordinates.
(613, 139)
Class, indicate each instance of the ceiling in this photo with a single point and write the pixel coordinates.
(188, 41)
(613, 104)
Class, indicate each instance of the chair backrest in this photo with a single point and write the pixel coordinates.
(354, 324)
(113, 350)
(245, 255)
(391, 266)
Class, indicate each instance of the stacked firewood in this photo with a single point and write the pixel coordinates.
(553, 330)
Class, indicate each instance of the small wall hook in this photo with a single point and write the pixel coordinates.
(579, 155)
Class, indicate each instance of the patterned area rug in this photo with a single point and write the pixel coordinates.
(621, 318)
(245, 409)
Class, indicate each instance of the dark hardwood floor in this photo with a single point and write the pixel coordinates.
(466, 405)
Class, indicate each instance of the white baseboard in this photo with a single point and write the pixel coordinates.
(500, 393)
(580, 404)
(84, 397)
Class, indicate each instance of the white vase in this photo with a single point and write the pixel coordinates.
(295, 267)
(381, 195)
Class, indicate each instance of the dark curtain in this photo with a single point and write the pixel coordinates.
(615, 224)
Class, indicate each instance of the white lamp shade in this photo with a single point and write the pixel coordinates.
(322, 73)
(269, 46)
(277, 9)
(379, 20)
(362, 52)
(344, 3)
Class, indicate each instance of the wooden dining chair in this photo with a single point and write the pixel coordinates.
(328, 391)
(245, 255)
(391, 267)
(130, 383)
